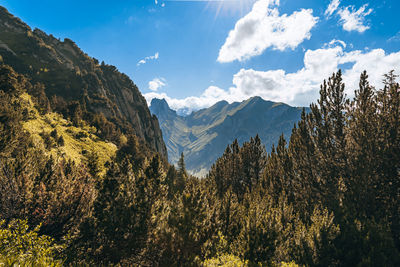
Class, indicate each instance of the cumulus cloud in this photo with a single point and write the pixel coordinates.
(354, 20)
(156, 83)
(298, 88)
(264, 27)
(333, 6)
(144, 61)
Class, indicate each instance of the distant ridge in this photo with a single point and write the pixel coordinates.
(204, 134)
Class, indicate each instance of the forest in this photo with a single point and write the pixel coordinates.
(327, 196)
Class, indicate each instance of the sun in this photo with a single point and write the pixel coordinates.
(224, 7)
(230, 6)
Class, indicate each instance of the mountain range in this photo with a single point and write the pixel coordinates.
(203, 135)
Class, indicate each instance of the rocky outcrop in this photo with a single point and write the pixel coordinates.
(67, 71)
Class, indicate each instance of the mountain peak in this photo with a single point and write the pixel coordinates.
(256, 99)
(160, 107)
(4, 11)
(7, 20)
(161, 103)
(221, 103)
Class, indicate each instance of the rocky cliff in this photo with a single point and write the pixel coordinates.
(66, 71)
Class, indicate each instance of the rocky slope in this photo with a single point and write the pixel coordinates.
(203, 135)
(67, 72)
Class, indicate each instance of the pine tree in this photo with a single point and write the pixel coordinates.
(328, 121)
(170, 181)
(235, 171)
(388, 186)
(362, 150)
(304, 159)
(155, 176)
(182, 174)
(119, 226)
(253, 160)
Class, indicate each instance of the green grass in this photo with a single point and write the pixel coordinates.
(79, 142)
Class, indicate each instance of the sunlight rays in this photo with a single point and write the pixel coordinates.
(224, 6)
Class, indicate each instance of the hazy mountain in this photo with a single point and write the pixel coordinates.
(203, 135)
(68, 73)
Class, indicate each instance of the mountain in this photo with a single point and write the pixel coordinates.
(77, 85)
(203, 135)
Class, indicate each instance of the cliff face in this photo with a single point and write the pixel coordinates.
(68, 72)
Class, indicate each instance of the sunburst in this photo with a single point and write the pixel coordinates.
(224, 6)
(231, 6)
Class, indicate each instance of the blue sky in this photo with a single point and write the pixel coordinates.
(194, 53)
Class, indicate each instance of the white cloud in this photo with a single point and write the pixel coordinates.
(298, 88)
(334, 4)
(156, 83)
(144, 61)
(353, 20)
(334, 42)
(264, 27)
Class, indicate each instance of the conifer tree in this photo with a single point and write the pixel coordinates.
(362, 150)
(304, 160)
(329, 120)
(182, 174)
(253, 160)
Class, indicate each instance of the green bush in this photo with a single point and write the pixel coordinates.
(226, 260)
(20, 246)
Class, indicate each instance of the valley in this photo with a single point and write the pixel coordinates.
(203, 135)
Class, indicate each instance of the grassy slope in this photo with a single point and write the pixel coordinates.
(79, 142)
